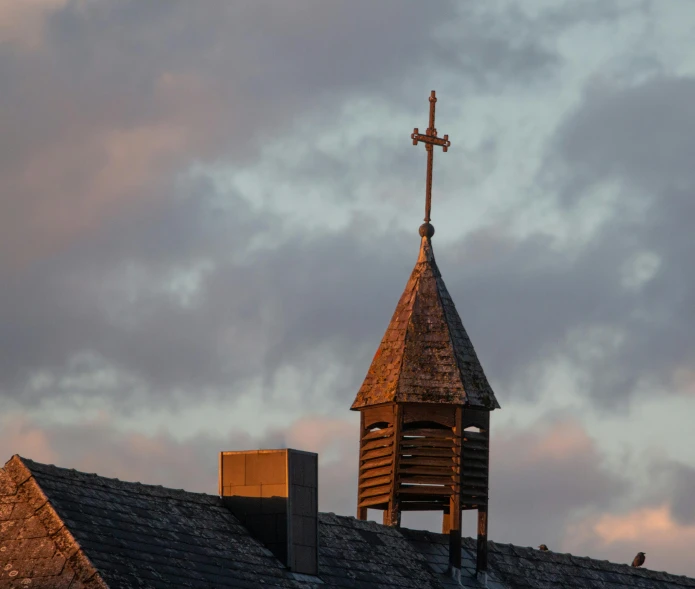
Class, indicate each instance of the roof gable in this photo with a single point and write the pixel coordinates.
(426, 355)
(34, 542)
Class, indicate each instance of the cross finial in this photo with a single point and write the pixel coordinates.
(430, 139)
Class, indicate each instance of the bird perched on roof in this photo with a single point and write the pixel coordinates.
(543, 547)
(639, 560)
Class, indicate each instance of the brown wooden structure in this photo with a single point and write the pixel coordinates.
(425, 407)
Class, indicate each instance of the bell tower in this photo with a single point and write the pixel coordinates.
(425, 403)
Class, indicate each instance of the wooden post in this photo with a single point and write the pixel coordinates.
(361, 511)
(455, 533)
(446, 522)
(392, 515)
(481, 559)
(455, 503)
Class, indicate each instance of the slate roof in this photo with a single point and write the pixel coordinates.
(111, 534)
(517, 567)
(426, 355)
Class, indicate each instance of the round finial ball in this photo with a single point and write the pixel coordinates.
(426, 230)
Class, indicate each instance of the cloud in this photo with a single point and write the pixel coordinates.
(236, 313)
(119, 282)
(652, 530)
(23, 22)
(674, 483)
(120, 99)
(639, 134)
(543, 477)
(96, 445)
(185, 297)
(101, 239)
(628, 287)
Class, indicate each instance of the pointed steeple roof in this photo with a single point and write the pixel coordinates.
(426, 355)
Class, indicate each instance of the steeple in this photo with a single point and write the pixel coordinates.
(426, 355)
(425, 403)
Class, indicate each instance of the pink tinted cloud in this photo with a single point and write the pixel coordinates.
(22, 23)
(77, 161)
(336, 442)
(77, 185)
(20, 436)
(669, 545)
(684, 380)
(554, 442)
(159, 458)
(562, 441)
(324, 435)
(97, 446)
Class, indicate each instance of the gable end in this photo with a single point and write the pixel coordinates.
(36, 548)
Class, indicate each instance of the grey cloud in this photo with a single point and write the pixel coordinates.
(100, 120)
(162, 459)
(317, 300)
(118, 98)
(321, 300)
(542, 478)
(568, 14)
(674, 483)
(638, 137)
(317, 295)
(640, 134)
(656, 517)
(256, 310)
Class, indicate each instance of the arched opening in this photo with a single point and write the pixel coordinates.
(415, 425)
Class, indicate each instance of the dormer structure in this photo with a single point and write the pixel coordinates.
(425, 404)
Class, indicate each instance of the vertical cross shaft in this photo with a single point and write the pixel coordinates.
(430, 139)
(431, 131)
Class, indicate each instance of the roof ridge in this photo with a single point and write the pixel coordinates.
(540, 556)
(446, 319)
(64, 472)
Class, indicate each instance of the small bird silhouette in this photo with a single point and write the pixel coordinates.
(543, 547)
(639, 560)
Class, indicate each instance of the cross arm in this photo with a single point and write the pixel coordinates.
(430, 139)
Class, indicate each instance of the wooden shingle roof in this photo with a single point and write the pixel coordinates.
(426, 355)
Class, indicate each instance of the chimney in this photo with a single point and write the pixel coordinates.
(274, 493)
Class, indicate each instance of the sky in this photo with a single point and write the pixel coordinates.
(209, 211)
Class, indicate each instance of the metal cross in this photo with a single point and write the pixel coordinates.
(430, 139)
